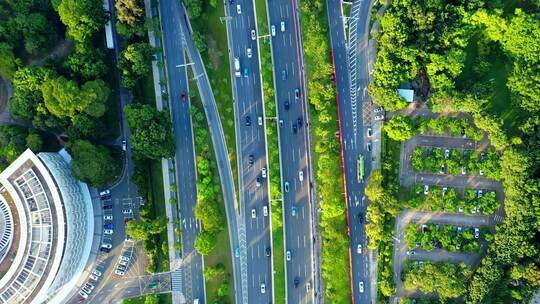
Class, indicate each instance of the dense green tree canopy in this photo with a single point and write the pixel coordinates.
(399, 128)
(83, 18)
(135, 63)
(93, 164)
(151, 134)
(7, 61)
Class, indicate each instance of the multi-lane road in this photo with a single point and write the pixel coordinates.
(354, 141)
(174, 41)
(293, 132)
(251, 149)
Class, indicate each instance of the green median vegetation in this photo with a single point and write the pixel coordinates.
(210, 37)
(326, 148)
(273, 153)
(213, 240)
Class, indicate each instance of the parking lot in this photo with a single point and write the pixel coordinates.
(409, 178)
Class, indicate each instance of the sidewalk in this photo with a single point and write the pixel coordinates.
(175, 259)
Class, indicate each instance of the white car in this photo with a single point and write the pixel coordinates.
(83, 294)
(253, 213)
(263, 288)
(463, 171)
(106, 245)
(288, 255)
(97, 273)
(361, 287)
(359, 249)
(108, 231)
(446, 153)
(378, 110)
(282, 26)
(124, 258)
(260, 120)
(127, 211)
(119, 272)
(426, 189)
(379, 117)
(123, 263)
(124, 145)
(263, 172)
(265, 210)
(108, 217)
(249, 53)
(273, 30)
(480, 172)
(94, 277)
(238, 9)
(253, 35)
(476, 233)
(301, 175)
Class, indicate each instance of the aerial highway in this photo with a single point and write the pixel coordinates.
(302, 285)
(220, 147)
(251, 146)
(354, 140)
(186, 174)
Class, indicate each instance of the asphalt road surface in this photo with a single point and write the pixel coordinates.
(353, 142)
(186, 175)
(294, 150)
(220, 147)
(251, 143)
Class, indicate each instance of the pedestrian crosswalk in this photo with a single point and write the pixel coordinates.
(176, 280)
(498, 218)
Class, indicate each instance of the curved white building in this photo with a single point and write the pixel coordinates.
(46, 229)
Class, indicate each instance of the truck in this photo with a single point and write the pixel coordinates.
(237, 67)
(360, 168)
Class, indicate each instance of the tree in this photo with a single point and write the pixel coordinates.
(151, 299)
(93, 164)
(63, 98)
(7, 61)
(151, 134)
(34, 142)
(135, 62)
(86, 62)
(129, 12)
(83, 18)
(388, 98)
(444, 278)
(399, 128)
(205, 242)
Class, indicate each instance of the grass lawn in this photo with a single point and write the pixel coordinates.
(273, 154)
(163, 298)
(216, 60)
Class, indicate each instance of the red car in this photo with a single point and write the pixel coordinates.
(184, 96)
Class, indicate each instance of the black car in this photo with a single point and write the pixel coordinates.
(294, 128)
(103, 249)
(300, 122)
(296, 282)
(248, 121)
(287, 105)
(360, 217)
(251, 159)
(267, 251)
(259, 181)
(105, 207)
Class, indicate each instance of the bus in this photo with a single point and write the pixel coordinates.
(360, 168)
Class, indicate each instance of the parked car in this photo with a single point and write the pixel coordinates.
(127, 211)
(107, 207)
(83, 294)
(124, 258)
(108, 226)
(97, 273)
(105, 194)
(369, 132)
(123, 263)
(108, 217)
(426, 189)
(119, 272)
(379, 117)
(368, 146)
(476, 233)
(378, 110)
(446, 153)
(108, 231)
